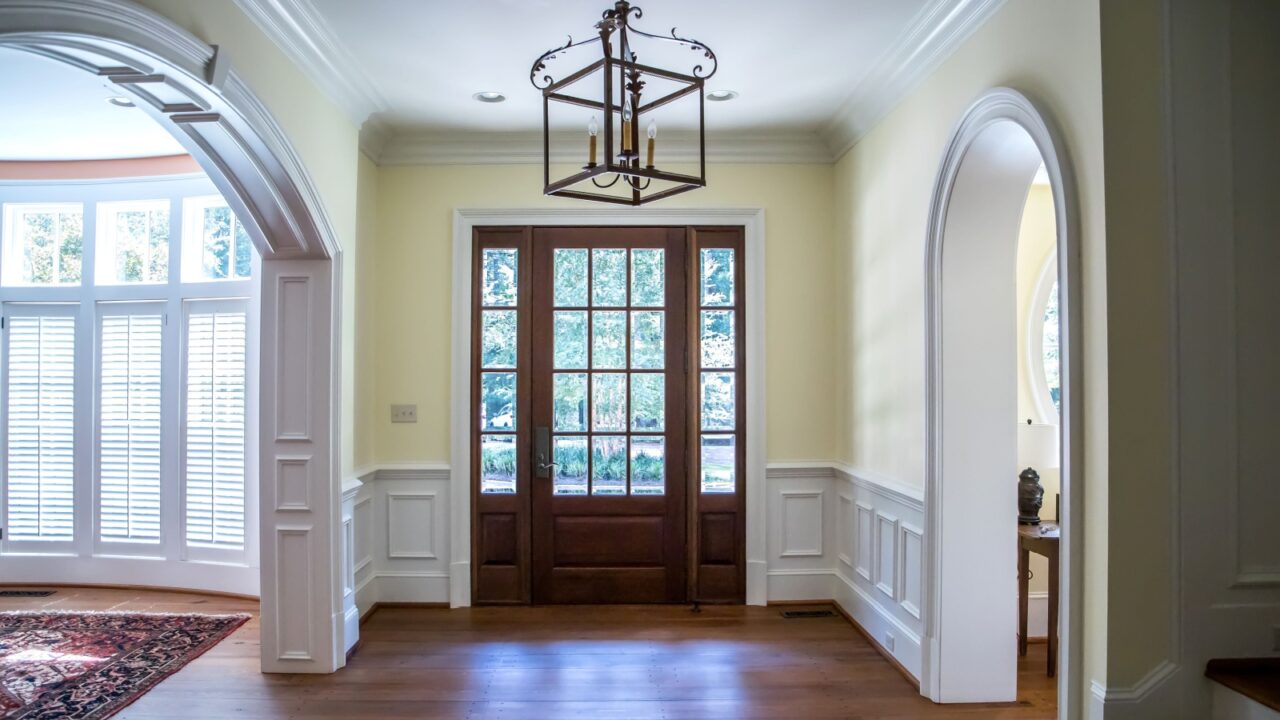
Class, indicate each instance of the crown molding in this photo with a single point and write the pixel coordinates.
(935, 33)
(519, 148)
(374, 135)
(304, 36)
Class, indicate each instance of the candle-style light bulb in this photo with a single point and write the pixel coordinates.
(652, 132)
(592, 130)
(626, 124)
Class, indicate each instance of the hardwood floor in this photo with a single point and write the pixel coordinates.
(599, 663)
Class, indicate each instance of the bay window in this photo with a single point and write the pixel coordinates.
(127, 376)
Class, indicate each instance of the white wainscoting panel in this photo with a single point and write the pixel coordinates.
(911, 555)
(400, 545)
(864, 539)
(802, 523)
(411, 524)
(886, 554)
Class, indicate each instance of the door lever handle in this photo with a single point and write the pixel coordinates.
(542, 452)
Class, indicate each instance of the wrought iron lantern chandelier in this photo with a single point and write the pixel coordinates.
(623, 106)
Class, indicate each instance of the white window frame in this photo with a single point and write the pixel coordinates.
(10, 246)
(236, 571)
(1045, 283)
(105, 240)
(193, 241)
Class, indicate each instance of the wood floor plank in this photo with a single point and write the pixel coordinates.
(542, 663)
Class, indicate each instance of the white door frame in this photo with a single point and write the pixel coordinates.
(190, 89)
(464, 222)
(993, 108)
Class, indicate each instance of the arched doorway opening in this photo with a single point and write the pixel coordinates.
(971, 445)
(191, 90)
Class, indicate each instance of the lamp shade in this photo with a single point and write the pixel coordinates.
(1037, 446)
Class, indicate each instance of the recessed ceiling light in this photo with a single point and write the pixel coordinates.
(721, 95)
(489, 96)
(121, 101)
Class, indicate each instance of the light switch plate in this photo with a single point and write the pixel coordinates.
(404, 413)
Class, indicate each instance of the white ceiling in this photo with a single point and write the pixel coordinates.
(794, 63)
(51, 111)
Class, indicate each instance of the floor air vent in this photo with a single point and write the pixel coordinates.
(796, 614)
(25, 593)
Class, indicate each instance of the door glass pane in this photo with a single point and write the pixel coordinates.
(646, 340)
(716, 274)
(609, 277)
(647, 276)
(570, 456)
(497, 401)
(648, 464)
(718, 401)
(498, 338)
(718, 463)
(498, 463)
(648, 401)
(609, 465)
(499, 277)
(609, 339)
(609, 402)
(570, 278)
(718, 339)
(570, 391)
(570, 339)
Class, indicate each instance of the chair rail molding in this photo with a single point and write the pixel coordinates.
(191, 89)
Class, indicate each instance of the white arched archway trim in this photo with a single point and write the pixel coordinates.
(980, 189)
(190, 88)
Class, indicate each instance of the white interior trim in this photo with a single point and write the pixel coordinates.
(205, 104)
(933, 35)
(997, 108)
(1034, 349)
(464, 222)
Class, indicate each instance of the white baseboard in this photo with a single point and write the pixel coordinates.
(1038, 614)
(880, 624)
(1154, 696)
(788, 585)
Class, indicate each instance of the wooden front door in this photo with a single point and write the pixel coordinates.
(609, 415)
(607, 456)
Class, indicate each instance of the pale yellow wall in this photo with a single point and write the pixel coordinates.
(365, 312)
(324, 137)
(1050, 51)
(413, 293)
(1037, 242)
(1141, 597)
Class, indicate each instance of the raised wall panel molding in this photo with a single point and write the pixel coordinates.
(293, 483)
(800, 524)
(864, 540)
(910, 566)
(935, 33)
(362, 518)
(525, 148)
(411, 525)
(293, 348)
(298, 29)
(293, 569)
(886, 555)
(844, 530)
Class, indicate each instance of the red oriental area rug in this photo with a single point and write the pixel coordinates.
(87, 666)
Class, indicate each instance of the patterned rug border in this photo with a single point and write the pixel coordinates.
(237, 620)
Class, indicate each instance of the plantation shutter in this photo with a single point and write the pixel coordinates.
(129, 430)
(215, 424)
(40, 405)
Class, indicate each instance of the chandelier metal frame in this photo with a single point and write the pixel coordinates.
(624, 76)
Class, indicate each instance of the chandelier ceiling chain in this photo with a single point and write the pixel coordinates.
(622, 83)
